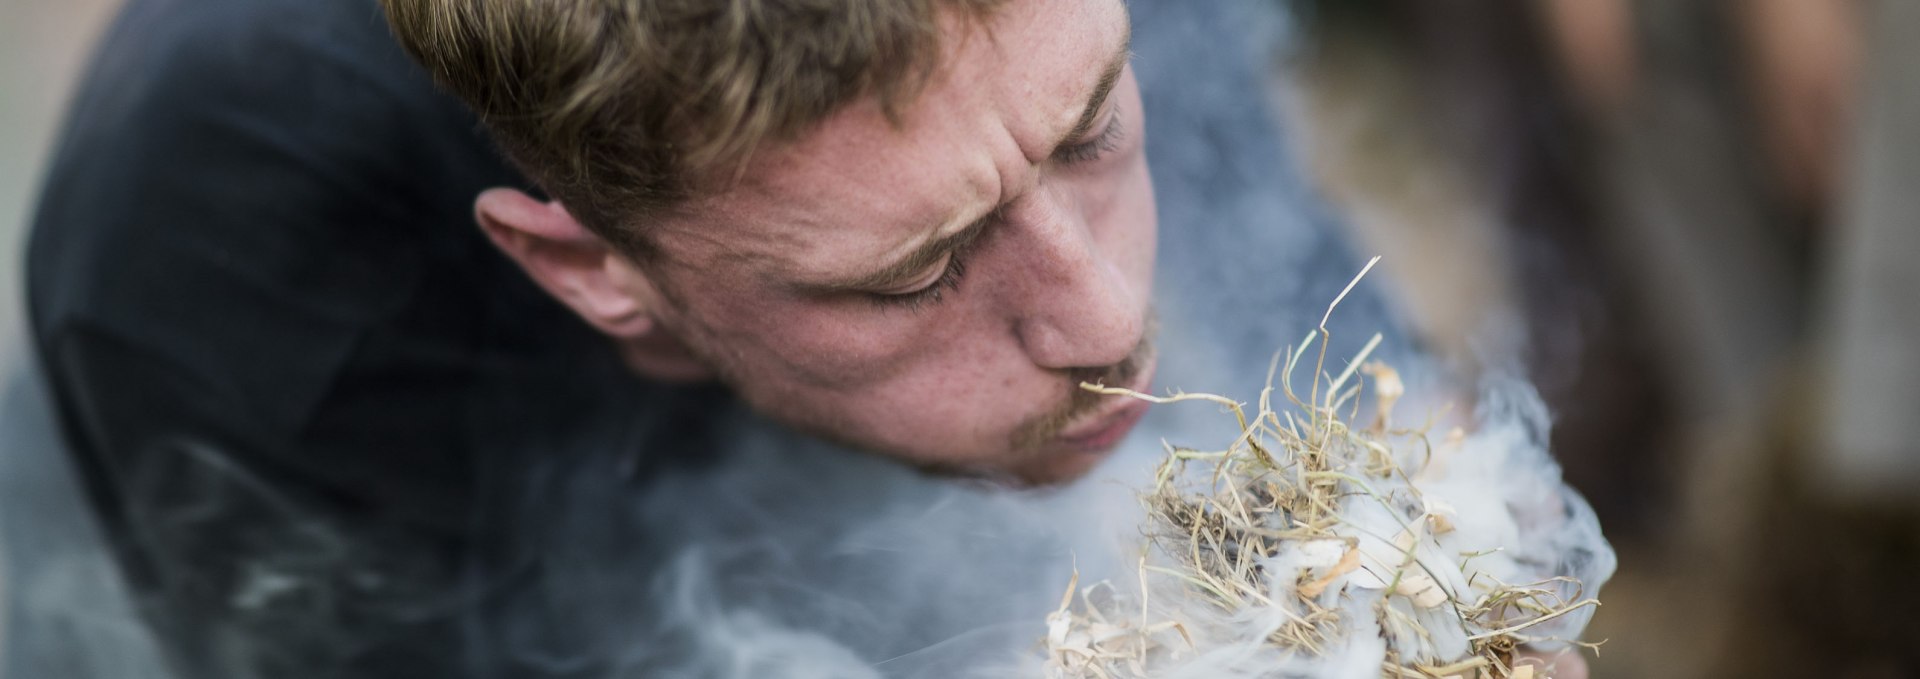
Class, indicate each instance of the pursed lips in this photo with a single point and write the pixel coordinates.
(1107, 427)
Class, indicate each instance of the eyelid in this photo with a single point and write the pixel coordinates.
(917, 300)
(921, 282)
(1088, 150)
(950, 273)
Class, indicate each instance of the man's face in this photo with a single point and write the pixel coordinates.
(935, 290)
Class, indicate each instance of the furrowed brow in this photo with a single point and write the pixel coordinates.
(920, 260)
(1101, 90)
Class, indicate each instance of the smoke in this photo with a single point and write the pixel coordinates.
(779, 557)
(757, 553)
(790, 558)
(1482, 516)
(66, 613)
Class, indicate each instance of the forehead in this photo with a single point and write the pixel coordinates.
(862, 188)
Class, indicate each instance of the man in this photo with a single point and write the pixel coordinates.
(960, 206)
(310, 401)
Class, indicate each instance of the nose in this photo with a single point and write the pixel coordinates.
(1074, 306)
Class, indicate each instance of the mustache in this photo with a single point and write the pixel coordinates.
(1080, 402)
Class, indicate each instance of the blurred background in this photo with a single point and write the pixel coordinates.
(1686, 220)
(1691, 223)
(43, 47)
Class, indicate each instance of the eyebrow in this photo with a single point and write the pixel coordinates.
(923, 258)
(1101, 90)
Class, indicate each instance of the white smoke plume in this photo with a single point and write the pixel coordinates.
(805, 561)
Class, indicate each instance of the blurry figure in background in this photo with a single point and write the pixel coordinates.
(1695, 220)
(325, 423)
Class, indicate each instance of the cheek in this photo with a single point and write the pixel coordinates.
(1135, 230)
(945, 384)
(1136, 226)
(962, 408)
(844, 345)
(951, 399)
(1120, 216)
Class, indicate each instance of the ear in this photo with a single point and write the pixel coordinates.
(563, 257)
(594, 279)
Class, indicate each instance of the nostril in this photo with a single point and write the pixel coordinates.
(1122, 373)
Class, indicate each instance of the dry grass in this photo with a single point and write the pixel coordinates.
(1219, 522)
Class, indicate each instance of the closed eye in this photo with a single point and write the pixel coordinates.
(914, 300)
(1092, 149)
(949, 279)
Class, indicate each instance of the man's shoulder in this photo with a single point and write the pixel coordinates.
(297, 50)
(255, 120)
(259, 193)
(247, 27)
